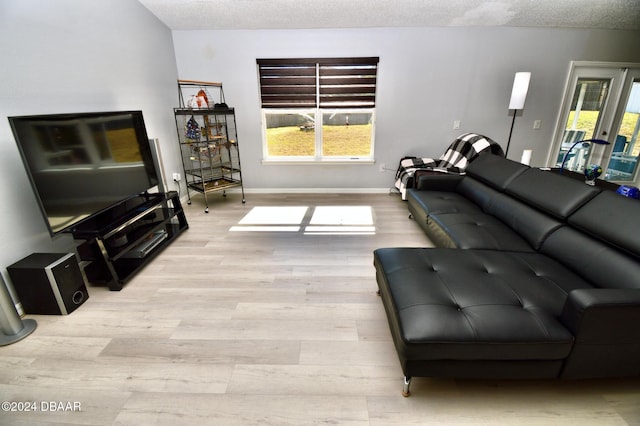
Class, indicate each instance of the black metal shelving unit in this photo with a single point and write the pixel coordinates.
(208, 138)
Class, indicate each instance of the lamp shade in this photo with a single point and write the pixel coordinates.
(519, 91)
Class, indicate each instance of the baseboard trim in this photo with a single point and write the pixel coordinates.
(391, 191)
(316, 190)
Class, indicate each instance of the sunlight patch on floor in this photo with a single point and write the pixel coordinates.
(275, 216)
(342, 215)
(324, 220)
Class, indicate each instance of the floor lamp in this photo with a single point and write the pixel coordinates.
(518, 96)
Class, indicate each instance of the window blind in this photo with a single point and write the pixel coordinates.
(318, 82)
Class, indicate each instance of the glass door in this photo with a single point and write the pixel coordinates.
(622, 166)
(585, 115)
(602, 102)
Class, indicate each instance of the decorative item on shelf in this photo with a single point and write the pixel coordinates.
(591, 173)
(192, 129)
(629, 191)
(584, 143)
(202, 99)
(518, 97)
(199, 100)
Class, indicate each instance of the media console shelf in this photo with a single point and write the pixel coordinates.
(118, 242)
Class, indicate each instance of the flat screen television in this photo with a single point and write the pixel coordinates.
(81, 164)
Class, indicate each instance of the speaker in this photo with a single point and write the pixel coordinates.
(49, 283)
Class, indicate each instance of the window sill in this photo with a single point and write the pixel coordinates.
(297, 162)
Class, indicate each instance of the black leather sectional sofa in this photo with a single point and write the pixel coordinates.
(534, 275)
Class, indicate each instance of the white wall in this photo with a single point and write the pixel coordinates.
(428, 77)
(73, 56)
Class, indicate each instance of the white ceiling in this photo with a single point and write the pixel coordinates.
(307, 14)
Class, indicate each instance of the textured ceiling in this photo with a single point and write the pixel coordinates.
(297, 14)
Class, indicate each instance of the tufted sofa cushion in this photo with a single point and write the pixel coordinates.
(475, 304)
(477, 230)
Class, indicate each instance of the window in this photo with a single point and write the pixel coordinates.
(318, 109)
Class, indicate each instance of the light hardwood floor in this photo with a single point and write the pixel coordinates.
(267, 328)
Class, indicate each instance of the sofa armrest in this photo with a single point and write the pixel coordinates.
(603, 315)
(436, 181)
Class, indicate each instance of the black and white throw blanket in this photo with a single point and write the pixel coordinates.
(461, 152)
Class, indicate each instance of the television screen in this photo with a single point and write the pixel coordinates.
(81, 164)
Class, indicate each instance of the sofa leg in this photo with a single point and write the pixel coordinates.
(378, 292)
(405, 386)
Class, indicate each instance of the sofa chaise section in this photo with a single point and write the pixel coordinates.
(469, 305)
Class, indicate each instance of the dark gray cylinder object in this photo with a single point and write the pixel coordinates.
(13, 328)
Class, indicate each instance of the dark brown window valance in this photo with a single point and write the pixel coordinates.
(318, 82)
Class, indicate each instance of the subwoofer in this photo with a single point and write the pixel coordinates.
(49, 283)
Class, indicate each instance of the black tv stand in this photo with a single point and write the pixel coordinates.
(121, 240)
